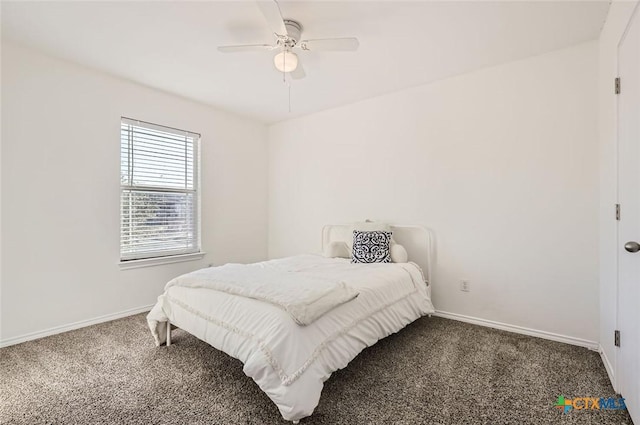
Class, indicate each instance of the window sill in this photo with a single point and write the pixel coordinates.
(158, 261)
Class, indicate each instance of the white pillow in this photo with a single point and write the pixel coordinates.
(337, 249)
(398, 253)
(371, 226)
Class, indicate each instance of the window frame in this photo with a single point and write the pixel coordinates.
(147, 258)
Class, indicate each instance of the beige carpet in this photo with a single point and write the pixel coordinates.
(435, 371)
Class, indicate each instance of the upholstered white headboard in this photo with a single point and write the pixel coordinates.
(417, 240)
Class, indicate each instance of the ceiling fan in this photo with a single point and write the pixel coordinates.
(287, 34)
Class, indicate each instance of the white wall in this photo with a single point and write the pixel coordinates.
(617, 19)
(60, 191)
(501, 163)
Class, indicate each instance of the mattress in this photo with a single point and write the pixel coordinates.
(290, 362)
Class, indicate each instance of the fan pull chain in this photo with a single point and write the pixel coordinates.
(285, 82)
(288, 84)
(284, 66)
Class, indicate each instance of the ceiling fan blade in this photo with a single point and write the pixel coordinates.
(271, 11)
(298, 73)
(245, 48)
(327, 44)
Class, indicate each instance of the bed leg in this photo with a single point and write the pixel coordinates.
(296, 422)
(168, 333)
(428, 315)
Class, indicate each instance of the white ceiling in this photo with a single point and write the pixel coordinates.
(172, 45)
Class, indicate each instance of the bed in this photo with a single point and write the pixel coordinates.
(290, 348)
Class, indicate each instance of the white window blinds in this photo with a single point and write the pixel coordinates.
(159, 191)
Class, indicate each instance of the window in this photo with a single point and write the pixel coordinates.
(158, 191)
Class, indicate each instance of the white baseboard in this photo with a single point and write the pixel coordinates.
(609, 367)
(592, 345)
(71, 326)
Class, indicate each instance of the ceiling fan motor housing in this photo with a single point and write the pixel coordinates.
(294, 29)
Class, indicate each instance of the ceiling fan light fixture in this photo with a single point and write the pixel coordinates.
(286, 61)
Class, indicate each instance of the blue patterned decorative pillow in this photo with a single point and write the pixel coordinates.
(371, 247)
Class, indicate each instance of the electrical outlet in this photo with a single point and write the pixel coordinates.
(465, 286)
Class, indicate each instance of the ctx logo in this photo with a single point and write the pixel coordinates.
(589, 403)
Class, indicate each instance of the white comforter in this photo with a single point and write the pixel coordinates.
(288, 361)
(305, 296)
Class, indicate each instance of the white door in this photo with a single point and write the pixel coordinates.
(628, 369)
